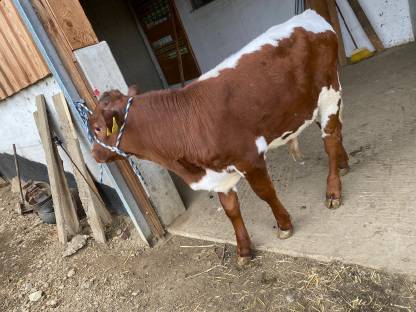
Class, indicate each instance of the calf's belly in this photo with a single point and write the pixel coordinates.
(220, 182)
(288, 135)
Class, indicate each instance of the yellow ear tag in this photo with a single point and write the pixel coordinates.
(114, 127)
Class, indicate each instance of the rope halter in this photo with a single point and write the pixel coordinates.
(82, 108)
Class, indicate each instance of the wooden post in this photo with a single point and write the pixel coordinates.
(93, 205)
(65, 212)
(320, 7)
(327, 9)
(333, 15)
(140, 196)
(365, 23)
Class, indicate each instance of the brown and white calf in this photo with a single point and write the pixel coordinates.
(218, 129)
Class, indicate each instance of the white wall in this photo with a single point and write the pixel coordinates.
(222, 27)
(389, 18)
(18, 126)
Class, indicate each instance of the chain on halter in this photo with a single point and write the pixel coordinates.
(84, 111)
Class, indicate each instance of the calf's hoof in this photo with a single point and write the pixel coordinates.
(333, 203)
(284, 234)
(243, 261)
(344, 171)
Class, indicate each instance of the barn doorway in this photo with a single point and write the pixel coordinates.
(145, 38)
(163, 29)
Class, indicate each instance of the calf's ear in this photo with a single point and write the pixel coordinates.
(111, 105)
(133, 90)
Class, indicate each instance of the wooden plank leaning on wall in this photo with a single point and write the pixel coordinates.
(97, 214)
(46, 9)
(20, 61)
(72, 20)
(65, 211)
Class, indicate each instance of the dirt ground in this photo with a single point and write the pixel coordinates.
(178, 275)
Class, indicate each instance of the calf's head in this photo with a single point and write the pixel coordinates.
(106, 121)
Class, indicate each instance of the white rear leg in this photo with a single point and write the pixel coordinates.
(294, 150)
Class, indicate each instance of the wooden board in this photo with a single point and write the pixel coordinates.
(21, 64)
(88, 193)
(333, 15)
(65, 212)
(365, 23)
(76, 27)
(320, 7)
(141, 198)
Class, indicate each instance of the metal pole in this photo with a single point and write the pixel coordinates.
(16, 164)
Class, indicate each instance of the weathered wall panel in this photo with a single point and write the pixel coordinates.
(71, 18)
(20, 62)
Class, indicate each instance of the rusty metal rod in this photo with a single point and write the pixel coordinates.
(16, 164)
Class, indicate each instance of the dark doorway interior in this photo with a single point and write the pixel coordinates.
(113, 22)
(141, 36)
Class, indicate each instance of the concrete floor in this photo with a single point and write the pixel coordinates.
(375, 226)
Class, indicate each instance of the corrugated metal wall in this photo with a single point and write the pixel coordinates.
(20, 62)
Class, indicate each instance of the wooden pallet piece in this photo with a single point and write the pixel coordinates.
(64, 114)
(65, 212)
(91, 201)
(365, 23)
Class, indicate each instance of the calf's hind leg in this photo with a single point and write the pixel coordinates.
(329, 110)
(232, 209)
(261, 184)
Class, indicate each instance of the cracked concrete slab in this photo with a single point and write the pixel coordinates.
(375, 226)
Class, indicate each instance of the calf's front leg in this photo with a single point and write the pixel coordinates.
(231, 207)
(261, 184)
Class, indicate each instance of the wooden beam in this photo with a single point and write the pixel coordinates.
(65, 212)
(320, 7)
(73, 22)
(90, 198)
(327, 9)
(333, 15)
(365, 23)
(56, 35)
(63, 47)
(141, 198)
